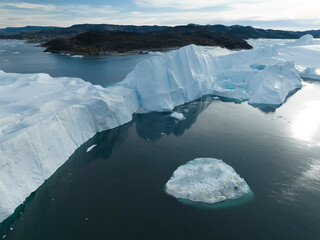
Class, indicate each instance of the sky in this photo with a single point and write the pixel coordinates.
(274, 14)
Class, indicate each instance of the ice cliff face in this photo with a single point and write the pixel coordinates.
(206, 180)
(43, 120)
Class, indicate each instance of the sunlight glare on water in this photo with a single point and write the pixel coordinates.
(306, 125)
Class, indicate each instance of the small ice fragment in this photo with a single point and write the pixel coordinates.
(77, 56)
(86, 219)
(215, 98)
(16, 53)
(4, 236)
(91, 147)
(177, 115)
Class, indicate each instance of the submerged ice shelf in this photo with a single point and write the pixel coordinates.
(206, 180)
(43, 120)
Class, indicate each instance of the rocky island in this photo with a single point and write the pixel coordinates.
(122, 42)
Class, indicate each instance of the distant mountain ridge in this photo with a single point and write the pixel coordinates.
(42, 34)
(246, 32)
(27, 29)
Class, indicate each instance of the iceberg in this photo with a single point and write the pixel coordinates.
(206, 180)
(272, 85)
(43, 120)
(260, 76)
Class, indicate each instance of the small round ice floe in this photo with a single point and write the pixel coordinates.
(206, 180)
(177, 115)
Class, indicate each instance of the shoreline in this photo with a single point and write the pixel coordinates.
(114, 53)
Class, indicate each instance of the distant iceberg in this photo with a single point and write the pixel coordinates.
(206, 180)
(43, 120)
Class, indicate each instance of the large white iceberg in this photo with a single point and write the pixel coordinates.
(206, 180)
(43, 120)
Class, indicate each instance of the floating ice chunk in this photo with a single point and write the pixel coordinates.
(206, 180)
(155, 53)
(77, 56)
(273, 84)
(91, 147)
(310, 73)
(304, 40)
(16, 53)
(177, 115)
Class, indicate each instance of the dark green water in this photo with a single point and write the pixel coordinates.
(116, 191)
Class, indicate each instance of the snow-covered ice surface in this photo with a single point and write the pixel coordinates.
(206, 180)
(177, 115)
(43, 120)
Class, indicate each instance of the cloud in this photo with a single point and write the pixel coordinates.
(21, 14)
(242, 9)
(29, 6)
(181, 4)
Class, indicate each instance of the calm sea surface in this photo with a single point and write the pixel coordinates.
(18, 57)
(116, 191)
